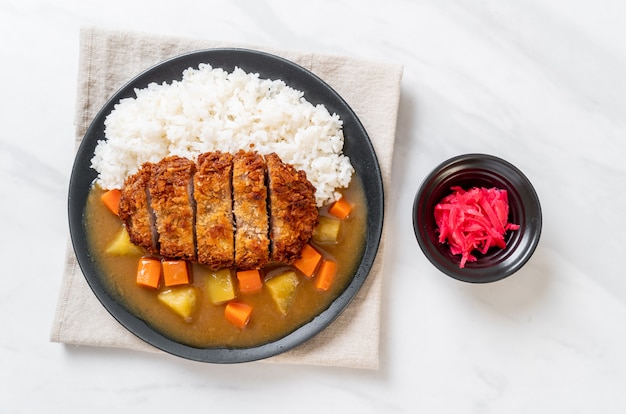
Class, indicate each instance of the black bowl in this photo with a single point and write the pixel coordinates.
(357, 146)
(479, 170)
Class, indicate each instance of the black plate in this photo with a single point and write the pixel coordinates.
(357, 146)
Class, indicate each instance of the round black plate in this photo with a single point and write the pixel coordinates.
(357, 146)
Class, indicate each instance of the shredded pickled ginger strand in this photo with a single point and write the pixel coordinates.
(473, 220)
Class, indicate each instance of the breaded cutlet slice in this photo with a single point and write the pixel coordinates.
(135, 211)
(171, 200)
(250, 210)
(293, 211)
(215, 243)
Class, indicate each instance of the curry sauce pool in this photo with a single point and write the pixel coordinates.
(208, 327)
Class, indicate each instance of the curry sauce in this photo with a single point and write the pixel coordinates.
(208, 327)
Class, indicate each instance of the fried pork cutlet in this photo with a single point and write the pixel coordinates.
(215, 244)
(250, 210)
(172, 203)
(293, 212)
(135, 211)
(242, 211)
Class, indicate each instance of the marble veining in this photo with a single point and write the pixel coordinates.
(540, 83)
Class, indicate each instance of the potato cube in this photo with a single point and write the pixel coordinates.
(220, 286)
(282, 289)
(327, 231)
(122, 246)
(181, 300)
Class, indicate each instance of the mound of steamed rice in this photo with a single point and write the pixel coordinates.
(211, 109)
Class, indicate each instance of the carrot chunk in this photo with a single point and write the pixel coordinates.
(238, 313)
(149, 272)
(308, 260)
(111, 199)
(340, 208)
(326, 275)
(249, 281)
(175, 272)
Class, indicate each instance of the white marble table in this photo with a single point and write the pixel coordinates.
(540, 83)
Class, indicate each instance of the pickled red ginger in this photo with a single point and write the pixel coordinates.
(473, 220)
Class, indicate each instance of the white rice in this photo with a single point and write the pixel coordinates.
(211, 109)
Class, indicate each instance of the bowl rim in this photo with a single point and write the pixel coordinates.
(524, 205)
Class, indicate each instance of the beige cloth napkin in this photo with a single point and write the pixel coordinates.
(108, 59)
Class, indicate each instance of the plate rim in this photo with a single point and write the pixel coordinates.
(144, 331)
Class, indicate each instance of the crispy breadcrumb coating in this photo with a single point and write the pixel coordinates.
(293, 212)
(215, 242)
(172, 202)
